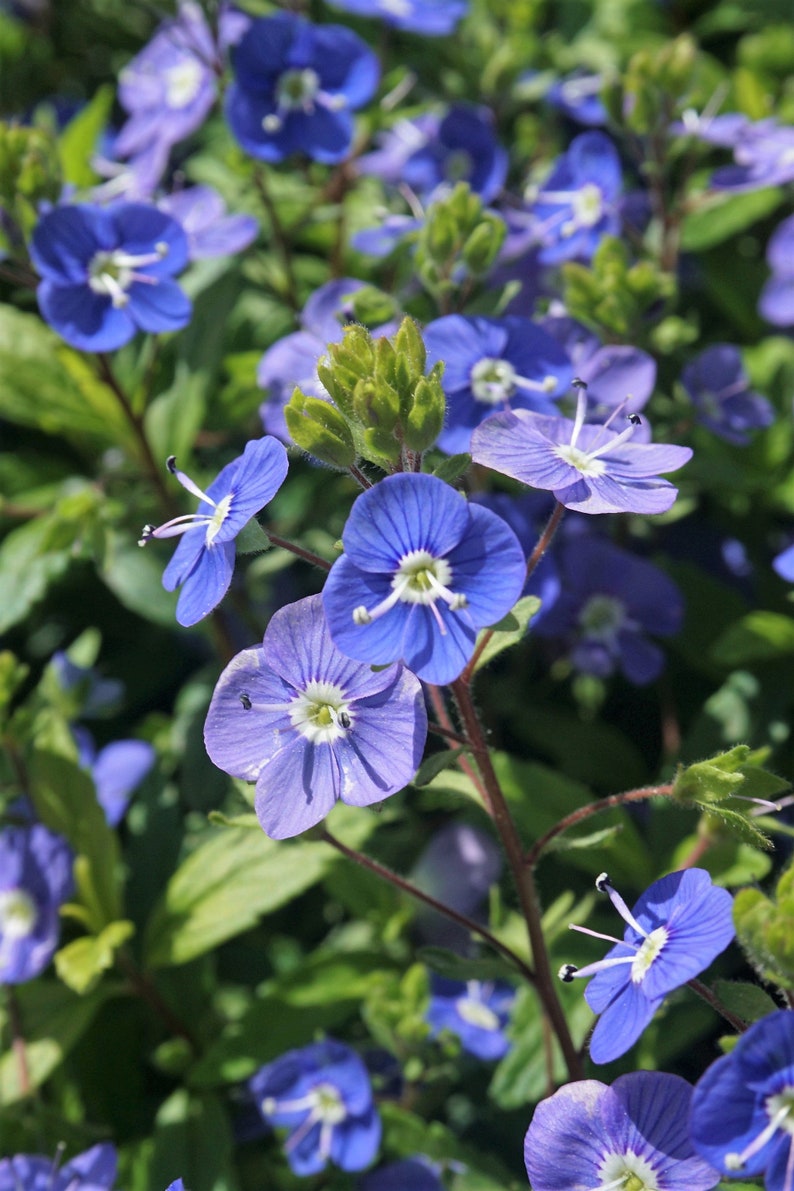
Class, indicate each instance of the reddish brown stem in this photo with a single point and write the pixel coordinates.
(593, 808)
(298, 551)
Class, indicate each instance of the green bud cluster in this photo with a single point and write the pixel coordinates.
(30, 173)
(655, 86)
(460, 240)
(765, 928)
(614, 296)
(383, 402)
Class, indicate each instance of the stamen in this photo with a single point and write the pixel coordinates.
(581, 407)
(596, 934)
(186, 482)
(569, 971)
(604, 885)
(737, 1161)
(245, 699)
(174, 527)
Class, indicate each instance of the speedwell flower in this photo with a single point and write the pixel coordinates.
(578, 203)
(743, 1107)
(422, 571)
(203, 561)
(776, 303)
(93, 1170)
(433, 18)
(492, 364)
(477, 1012)
(323, 1096)
(678, 926)
(107, 273)
(210, 231)
(310, 726)
(721, 394)
(117, 770)
(634, 1134)
(35, 879)
(589, 468)
(295, 87)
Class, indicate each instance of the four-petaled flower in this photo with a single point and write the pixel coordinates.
(93, 1170)
(579, 202)
(632, 1136)
(295, 87)
(422, 571)
(475, 1011)
(35, 879)
(107, 273)
(322, 1095)
(678, 926)
(491, 364)
(203, 561)
(720, 391)
(743, 1107)
(312, 727)
(589, 468)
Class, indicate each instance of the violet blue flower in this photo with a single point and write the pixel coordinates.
(107, 273)
(96, 696)
(493, 363)
(203, 562)
(322, 1095)
(433, 18)
(169, 87)
(116, 770)
(679, 925)
(589, 468)
(410, 1174)
(609, 602)
(763, 153)
(35, 879)
(784, 564)
(295, 87)
(310, 726)
(527, 515)
(615, 374)
(579, 97)
(293, 360)
(776, 304)
(432, 153)
(579, 201)
(93, 1170)
(210, 231)
(632, 1134)
(422, 571)
(743, 1107)
(721, 394)
(475, 1011)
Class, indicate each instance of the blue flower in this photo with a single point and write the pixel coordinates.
(609, 601)
(678, 926)
(743, 1107)
(107, 273)
(432, 153)
(93, 1170)
(322, 1095)
(721, 394)
(116, 770)
(589, 468)
(784, 564)
(310, 726)
(458, 868)
(433, 18)
(579, 97)
(578, 203)
(35, 879)
(422, 571)
(491, 364)
(210, 231)
(763, 154)
(632, 1134)
(475, 1011)
(295, 87)
(615, 373)
(203, 562)
(411, 1174)
(776, 304)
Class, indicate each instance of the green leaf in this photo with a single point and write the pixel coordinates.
(761, 636)
(509, 631)
(748, 1001)
(520, 1077)
(720, 218)
(174, 418)
(81, 963)
(135, 576)
(52, 1019)
(452, 468)
(78, 141)
(458, 967)
(436, 763)
(565, 842)
(193, 1139)
(32, 557)
(252, 539)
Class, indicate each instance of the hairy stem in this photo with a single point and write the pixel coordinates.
(593, 808)
(703, 990)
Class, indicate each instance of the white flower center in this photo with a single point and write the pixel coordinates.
(583, 462)
(397, 8)
(648, 952)
(493, 380)
(602, 618)
(475, 1013)
(112, 273)
(420, 576)
(627, 1172)
(218, 517)
(183, 82)
(18, 914)
(588, 207)
(321, 712)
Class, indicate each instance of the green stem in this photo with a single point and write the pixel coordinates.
(545, 979)
(280, 238)
(387, 874)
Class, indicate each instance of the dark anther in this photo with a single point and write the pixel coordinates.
(635, 419)
(245, 699)
(171, 464)
(344, 719)
(567, 973)
(147, 532)
(603, 883)
(578, 383)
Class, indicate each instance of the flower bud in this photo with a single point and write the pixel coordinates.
(318, 427)
(482, 246)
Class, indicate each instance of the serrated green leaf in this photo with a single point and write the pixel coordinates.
(509, 631)
(748, 1001)
(252, 539)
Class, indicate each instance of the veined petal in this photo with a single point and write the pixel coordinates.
(158, 308)
(260, 472)
(489, 566)
(401, 514)
(565, 1143)
(727, 1115)
(238, 740)
(86, 320)
(207, 583)
(346, 588)
(296, 788)
(355, 1143)
(621, 1023)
